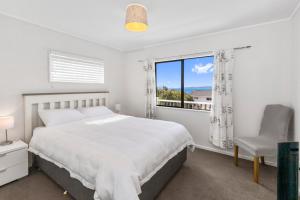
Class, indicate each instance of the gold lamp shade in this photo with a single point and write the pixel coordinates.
(136, 18)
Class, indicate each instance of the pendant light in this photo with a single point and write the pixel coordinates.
(136, 18)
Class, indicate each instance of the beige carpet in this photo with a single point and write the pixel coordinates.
(206, 176)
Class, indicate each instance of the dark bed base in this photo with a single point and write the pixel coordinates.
(150, 189)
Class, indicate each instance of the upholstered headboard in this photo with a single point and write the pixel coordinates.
(41, 101)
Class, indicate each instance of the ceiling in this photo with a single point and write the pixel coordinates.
(102, 21)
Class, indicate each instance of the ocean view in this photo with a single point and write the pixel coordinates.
(188, 90)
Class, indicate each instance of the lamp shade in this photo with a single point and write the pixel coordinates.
(136, 18)
(6, 122)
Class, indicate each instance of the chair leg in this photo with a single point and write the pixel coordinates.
(236, 155)
(256, 169)
(262, 160)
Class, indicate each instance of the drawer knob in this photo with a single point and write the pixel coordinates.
(3, 170)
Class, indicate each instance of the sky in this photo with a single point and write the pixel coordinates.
(198, 72)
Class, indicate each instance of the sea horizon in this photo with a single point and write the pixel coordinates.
(189, 90)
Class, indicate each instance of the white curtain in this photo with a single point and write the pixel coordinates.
(150, 89)
(221, 117)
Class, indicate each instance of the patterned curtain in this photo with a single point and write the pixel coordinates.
(221, 117)
(150, 89)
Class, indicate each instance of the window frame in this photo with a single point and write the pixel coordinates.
(182, 80)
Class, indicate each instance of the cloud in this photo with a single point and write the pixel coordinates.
(203, 69)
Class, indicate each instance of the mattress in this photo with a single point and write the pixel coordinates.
(111, 154)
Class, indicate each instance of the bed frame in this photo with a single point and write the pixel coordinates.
(35, 102)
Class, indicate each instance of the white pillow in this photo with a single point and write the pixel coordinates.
(95, 111)
(60, 116)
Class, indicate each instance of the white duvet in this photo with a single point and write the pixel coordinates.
(112, 154)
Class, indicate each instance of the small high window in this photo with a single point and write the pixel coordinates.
(75, 69)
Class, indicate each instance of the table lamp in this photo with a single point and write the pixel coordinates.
(6, 123)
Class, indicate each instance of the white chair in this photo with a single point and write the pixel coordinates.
(274, 128)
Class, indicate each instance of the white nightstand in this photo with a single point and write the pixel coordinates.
(13, 162)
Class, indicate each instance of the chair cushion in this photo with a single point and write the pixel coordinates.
(258, 146)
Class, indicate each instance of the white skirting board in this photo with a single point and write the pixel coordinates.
(230, 154)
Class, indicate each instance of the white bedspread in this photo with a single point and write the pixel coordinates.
(112, 154)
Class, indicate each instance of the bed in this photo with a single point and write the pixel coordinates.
(107, 157)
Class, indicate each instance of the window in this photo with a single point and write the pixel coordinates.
(185, 83)
(75, 69)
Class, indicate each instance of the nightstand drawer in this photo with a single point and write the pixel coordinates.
(13, 173)
(12, 158)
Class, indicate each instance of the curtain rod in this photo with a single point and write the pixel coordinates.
(206, 52)
(244, 47)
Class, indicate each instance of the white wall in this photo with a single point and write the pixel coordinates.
(262, 76)
(24, 66)
(296, 71)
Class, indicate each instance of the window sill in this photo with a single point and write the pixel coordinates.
(182, 109)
